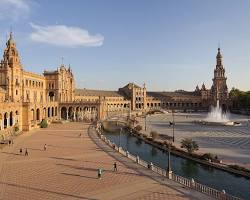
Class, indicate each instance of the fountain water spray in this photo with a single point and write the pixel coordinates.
(216, 114)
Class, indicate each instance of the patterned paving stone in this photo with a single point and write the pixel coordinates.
(68, 170)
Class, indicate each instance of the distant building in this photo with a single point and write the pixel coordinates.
(199, 99)
(27, 98)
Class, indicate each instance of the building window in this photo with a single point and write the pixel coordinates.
(16, 92)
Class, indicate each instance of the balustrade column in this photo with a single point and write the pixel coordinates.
(137, 159)
(67, 114)
(192, 183)
(8, 122)
(60, 116)
(169, 171)
(13, 121)
(82, 115)
(17, 119)
(3, 123)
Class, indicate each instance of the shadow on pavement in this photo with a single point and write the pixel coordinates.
(68, 174)
(47, 191)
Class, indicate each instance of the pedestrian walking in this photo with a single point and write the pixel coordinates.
(115, 167)
(9, 142)
(26, 152)
(99, 173)
(21, 151)
(45, 147)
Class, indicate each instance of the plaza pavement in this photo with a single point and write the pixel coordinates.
(230, 143)
(68, 169)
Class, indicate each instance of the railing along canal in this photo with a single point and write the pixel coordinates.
(190, 183)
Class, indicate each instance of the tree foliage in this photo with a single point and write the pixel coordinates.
(44, 124)
(138, 128)
(241, 99)
(154, 134)
(189, 145)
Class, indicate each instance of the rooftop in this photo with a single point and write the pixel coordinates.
(87, 92)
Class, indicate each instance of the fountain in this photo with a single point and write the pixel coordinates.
(216, 115)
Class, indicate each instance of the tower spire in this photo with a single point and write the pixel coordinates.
(219, 59)
(11, 33)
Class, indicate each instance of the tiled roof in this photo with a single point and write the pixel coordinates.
(86, 92)
(184, 94)
(131, 85)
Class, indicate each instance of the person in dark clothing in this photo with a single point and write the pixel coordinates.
(21, 151)
(45, 147)
(26, 152)
(115, 167)
(99, 173)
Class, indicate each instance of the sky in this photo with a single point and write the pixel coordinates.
(167, 45)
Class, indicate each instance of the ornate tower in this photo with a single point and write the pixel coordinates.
(11, 72)
(219, 88)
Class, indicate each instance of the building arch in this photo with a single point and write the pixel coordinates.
(1, 118)
(38, 114)
(11, 118)
(32, 115)
(48, 111)
(51, 96)
(44, 113)
(64, 113)
(5, 121)
(70, 113)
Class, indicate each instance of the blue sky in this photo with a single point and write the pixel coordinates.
(168, 45)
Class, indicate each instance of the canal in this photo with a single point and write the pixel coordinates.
(235, 185)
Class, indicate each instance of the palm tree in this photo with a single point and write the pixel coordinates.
(189, 145)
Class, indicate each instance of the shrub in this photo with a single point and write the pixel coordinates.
(154, 134)
(189, 145)
(208, 156)
(138, 128)
(44, 124)
(16, 128)
(237, 167)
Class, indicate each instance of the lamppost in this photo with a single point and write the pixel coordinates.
(169, 171)
(173, 123)
(120, 138)
(145, 122)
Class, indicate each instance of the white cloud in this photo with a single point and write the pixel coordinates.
(61, 35)
(14, 9)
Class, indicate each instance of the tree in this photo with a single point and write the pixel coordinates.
(44, 124)
(241, 99)
(138, 128)
(189, 145)
(153, 134)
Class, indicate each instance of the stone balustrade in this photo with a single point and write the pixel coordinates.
(190, 183)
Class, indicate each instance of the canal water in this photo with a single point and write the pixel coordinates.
(212, 177)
